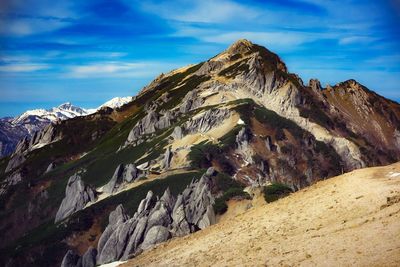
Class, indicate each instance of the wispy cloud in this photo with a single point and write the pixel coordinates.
(268, 38)
(23, 67)
(356, 40)
(120, 69)
(208, 11)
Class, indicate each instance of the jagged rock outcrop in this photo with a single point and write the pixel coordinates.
(77, 195)
(11, 179)
(196, 201)
(155, 235)
(15, 161)
(50, 167)
(242, 141)
(206, 121)
(315, 85)
(148, 125)
(165, 164)
(165, 120)
(71, 259)
(177, 133)
(190, 102)
(45, 136)
(39, 139)
(157, 220)
(123, 174)
(89, 258)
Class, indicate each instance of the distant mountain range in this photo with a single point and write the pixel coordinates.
(25, 125)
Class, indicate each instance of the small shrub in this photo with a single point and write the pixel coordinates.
(276, 191)
(220, 206)
(230, 189)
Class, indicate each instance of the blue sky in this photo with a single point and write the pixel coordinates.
(89, 51)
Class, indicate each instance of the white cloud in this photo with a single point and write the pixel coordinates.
(23, 67)
(209, 11)
(356, 39)
(277, 40)
(120, 69)
(268, 38)
(28, 26)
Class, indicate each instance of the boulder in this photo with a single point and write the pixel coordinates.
(168, 199)
(131, 173)
(177, 133)
(122, 174)
(136, 237)
(155, 235)
(50, 167)
(165, 164)
(77, 195)
(71, 259)
(160, 215)
(180, 225)
(89, 258)
(165, 121)
(115, 181)
(105, 247)
(117, 241)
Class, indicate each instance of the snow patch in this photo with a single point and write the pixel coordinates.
(117, 102)
(112, 264)
(394, 174)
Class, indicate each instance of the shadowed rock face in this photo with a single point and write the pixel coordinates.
(77, 195)
(123, 174)
(71, 259)
(148, 125)
(41, 138)
(157, 220)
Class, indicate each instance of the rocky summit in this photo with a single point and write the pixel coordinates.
(116, 183)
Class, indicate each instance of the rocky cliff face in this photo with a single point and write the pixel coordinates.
(241, 113)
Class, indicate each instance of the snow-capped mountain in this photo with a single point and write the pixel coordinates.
(62, 112)
(14, 129)
(116, 102)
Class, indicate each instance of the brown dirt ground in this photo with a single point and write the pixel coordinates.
(349, 220)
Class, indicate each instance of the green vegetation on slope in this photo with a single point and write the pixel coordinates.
(276, 191)
(229, 189)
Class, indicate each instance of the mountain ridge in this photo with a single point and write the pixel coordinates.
(13, 129)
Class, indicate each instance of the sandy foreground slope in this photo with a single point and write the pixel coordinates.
(349, 220)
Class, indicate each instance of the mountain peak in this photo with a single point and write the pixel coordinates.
(350, 84)
(65, 105)
(240, 46)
